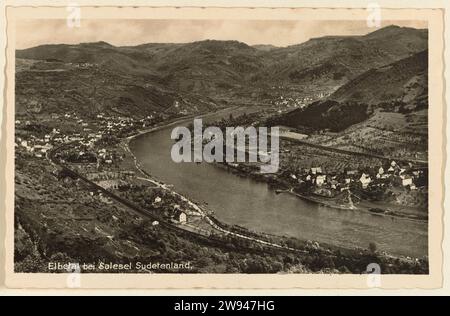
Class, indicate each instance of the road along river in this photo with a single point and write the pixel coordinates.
(251, 204)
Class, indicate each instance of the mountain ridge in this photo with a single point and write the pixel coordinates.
(401, 86)
(225, 72)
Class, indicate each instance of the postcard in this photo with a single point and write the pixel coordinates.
(223, 147)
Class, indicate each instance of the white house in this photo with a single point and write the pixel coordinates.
(365, 180)
(407, 181)
(180, 217)
(320, 180)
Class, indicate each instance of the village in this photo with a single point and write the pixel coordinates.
(289, 102)
(37, 139)
(95, 151)
(396, 189)
(329, 184)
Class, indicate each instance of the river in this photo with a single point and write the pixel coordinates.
(251, 204)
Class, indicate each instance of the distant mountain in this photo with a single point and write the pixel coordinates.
(334, 60)
(399, 87)
(154, 77)
(209, 67)
(53, 86)
(126, 60)
(205, 69)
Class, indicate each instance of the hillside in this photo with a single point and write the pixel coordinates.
(334, 60)
(198, 76)
(398, 87)
(405, 80)
(209, 66)
(46, 87)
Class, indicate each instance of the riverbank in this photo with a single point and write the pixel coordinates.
(309, 256)
(216, 224)
(283, 188)
(303, 246)
(324, 244)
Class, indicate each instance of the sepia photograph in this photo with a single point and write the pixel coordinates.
(224, 146)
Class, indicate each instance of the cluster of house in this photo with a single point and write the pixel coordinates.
(83, 65)
(90, 139)
(109, 124)
(85, 139)
(404, 175)
(117, 124)
(105, 156)
(88, 135)
(106, 125)
(292, 102)
(298, 102)
(99, 157)
(35, 146)
(173, 211)
(40, 146)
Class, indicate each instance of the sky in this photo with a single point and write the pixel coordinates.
(30, 33)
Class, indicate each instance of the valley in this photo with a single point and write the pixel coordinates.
(353, 177)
